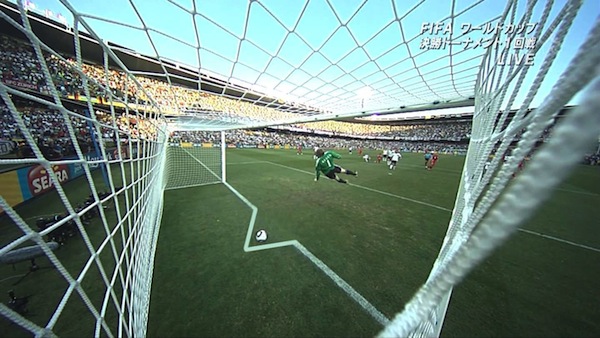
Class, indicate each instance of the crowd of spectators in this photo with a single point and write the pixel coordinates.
(20, 67)
(50, 132)
(449, 131)
(268, 139)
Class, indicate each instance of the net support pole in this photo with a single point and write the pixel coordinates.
(223, 159)
(96, 138)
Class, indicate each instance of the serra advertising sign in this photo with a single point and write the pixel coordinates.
(36, 180)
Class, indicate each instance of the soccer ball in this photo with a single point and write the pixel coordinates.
(261, 236)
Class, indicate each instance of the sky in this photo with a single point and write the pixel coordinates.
(338, 55)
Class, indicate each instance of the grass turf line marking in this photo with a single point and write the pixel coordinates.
(446, 209)
(448, 171)
(357, 297)
(560, 240)
(383, 320)
(202, 164)
(252, 218)
(582, 192)
(401, 197)
(578, 192)
(373, 190)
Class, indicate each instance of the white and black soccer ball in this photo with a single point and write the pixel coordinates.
(261, 235)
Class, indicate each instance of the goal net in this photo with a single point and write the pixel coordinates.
(103, 114)
(95, 157)
(194, 158)
(507, 173)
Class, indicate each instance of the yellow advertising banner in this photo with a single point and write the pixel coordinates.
(10, 189)
(277, 146)
(287, 146)
(186, 145)
(207, 145)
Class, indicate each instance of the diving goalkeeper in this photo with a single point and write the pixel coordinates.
(326, 166)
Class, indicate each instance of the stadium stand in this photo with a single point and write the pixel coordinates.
(20, 67)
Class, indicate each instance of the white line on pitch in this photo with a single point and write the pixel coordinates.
(560, 240)
(401, 197)
(373, 190)
(449, 171)
(383, 320)
(582, 192)
(578, 192)
(202, 164)
(270, 246)
(442, 208)
(357, 297)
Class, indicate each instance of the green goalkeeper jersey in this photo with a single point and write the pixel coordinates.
(325, 164)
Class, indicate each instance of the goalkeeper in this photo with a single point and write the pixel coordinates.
(326, 166)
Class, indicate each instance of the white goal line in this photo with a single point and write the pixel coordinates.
(339, 281)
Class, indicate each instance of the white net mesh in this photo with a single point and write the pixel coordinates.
(304, 57)
(194, 158)
(100, 171)
(256, 63)
(495, 196)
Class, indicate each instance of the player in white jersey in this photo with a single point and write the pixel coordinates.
(395, 157)
(389, 157)
(366, 157)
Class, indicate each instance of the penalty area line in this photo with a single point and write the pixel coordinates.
(560, 240)
(448, 171)
(444, 209)
(372, 190)
(401, 197)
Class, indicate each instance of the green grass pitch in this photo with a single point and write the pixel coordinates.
(380, 234)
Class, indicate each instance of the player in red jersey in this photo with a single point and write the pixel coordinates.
(379, 158)
(299, 150)
(432, 161)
